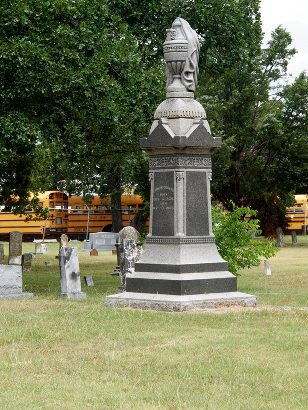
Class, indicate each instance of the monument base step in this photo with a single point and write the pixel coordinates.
(74, 295)
(23, 295)
(179, 302)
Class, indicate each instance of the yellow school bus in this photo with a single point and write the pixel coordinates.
(297, 215)
(70, 215)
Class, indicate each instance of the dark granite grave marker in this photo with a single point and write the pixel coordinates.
(89, 280)
(26, 262)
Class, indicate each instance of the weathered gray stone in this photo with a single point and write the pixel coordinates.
(128, 232)
(89, 280)
(2, 257)
(128, 238)
(63, 240)
(180, 302)
(294, 238)
(180, 266)
(26, 262)
(279, 237)
(102, 241)
(70, 273)
(15, 248)
(41, 248)
(11, 282)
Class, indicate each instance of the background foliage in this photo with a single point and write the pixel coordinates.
(80, 81)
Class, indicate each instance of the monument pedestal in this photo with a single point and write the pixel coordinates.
(180, 302)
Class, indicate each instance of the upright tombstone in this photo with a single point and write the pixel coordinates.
(15, 248)
(101, 241)
(11, 283)
(267, 268)
(279, 238)
(2, 259)
(26, 262)
(294, 237)
(70, 273)
(128, 238)
(180, 267)
(93, 252)
(40, 248)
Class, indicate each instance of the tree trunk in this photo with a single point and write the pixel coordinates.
(116, 210)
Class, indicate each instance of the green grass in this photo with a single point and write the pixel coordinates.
(79, 354)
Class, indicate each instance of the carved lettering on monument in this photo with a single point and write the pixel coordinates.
(163, 198)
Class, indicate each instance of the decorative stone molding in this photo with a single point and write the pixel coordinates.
(179, 240)
(179, 176)
(179, 114)
(191, 161)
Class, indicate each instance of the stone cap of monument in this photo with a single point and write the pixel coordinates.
(180, 121)
(198, 136)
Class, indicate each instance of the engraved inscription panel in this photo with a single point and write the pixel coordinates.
(197, 221)
(163, 204)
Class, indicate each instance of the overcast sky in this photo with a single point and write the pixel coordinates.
(293, 16)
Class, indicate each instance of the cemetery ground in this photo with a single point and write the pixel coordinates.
(78, 354)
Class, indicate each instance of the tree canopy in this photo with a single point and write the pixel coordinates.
(80, 81)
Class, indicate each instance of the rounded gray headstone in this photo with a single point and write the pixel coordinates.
(129, 232)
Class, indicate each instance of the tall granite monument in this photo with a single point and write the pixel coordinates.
(180, 267)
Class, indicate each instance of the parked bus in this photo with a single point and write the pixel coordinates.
(297, 215)
(69, 215)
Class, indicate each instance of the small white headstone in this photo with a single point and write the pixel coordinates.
(41, 248)
(267, 268)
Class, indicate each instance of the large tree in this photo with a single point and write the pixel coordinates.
(71, 96)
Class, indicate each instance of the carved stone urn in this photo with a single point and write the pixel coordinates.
(175, 54)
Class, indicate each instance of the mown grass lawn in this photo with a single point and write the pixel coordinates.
(66, 354)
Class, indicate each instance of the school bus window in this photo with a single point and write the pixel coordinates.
(58, 205)
(58, 221)
(51, 204)
(65, 205)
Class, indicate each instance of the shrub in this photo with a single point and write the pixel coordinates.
(236, 238)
